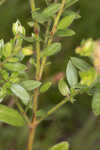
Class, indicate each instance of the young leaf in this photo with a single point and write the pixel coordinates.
(45, 87)
(7, 49)
(96, 102)
(51, 10)
(27, 51)
(51, 50)
(70, 3)
(63, 88)
(80, 64)
(31, 84)
(66, 22)
(1, 46)
(71, 74)
(61, 146)
(21, 93)
(10, 116)
(15, 67)
(65, 33)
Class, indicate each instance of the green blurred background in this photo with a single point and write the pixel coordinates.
(75, 123)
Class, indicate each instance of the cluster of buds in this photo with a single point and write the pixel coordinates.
(86, 48)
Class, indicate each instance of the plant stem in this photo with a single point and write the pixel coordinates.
(31, 137)
(36, 30)
(52, 34)
(32, 5)
(22, 112)
(51, 111)
(36, 92)
(39, 71)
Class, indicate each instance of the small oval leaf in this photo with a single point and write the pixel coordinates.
(45, 87)
(71, 74)
(63, 88)
(80, 64)
(15, 66)
(21, 93)
(66, 21)
(10, 116)
(51, 50)
(30, 84)
(65, 33)
(51, 10)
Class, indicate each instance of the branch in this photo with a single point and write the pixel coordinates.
(51, 111)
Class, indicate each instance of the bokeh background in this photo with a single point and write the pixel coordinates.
(73, 122)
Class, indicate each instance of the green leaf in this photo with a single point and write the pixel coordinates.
(70, 3)
(65, 33)
(66, 22)
(61, 146)
(1, 46)
(70, 12)
(21, 93)
(45, 87)
(80, 64)
(31, 84)
(51, 10)
(15, 66)
(3, 93)
(28, 39)
(51, 50)
(13, 59)
(10, 116)
(71, 74)
(7, 51)
(96, 102)
(39, 17)
(63, 88)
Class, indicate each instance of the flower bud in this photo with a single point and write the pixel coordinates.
(18, 28)
(86, 48)
(27, 51)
